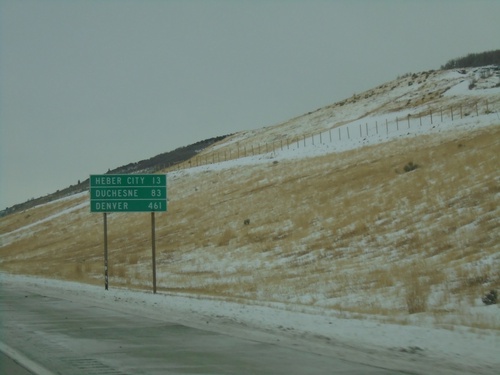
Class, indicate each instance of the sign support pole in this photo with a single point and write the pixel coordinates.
(105, 251)
(153, 249)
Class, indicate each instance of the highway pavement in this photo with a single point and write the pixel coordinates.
(78, 338)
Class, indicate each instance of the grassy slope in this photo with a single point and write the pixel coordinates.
(348, 231)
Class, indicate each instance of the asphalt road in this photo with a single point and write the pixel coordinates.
(72, 338)
(11, 367)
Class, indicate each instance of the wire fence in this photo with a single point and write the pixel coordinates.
(354, 131)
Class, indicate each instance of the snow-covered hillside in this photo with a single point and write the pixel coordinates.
(313, 231)
(433, 97)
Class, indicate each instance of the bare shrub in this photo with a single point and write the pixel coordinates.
(417, 289)
(410, 167)
(225, 237)
(133, 258)
(490, 298)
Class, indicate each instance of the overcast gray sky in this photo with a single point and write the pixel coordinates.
(90, 85)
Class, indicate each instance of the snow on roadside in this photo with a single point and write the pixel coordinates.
(341, 142)
(4, 237)
(319, 330)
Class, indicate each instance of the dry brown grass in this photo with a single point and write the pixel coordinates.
(347, 230)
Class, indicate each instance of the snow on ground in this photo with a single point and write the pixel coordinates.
(420, 342)
(430, 350)
(367, 131)
(7, 238)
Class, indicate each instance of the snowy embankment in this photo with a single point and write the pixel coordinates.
(418, 349)
(417, 345)
(363, 132)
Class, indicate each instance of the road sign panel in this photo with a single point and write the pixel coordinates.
(118, 180)
(128, 206)
(128, 193)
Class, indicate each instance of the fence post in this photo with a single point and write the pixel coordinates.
(397, 123)
(348, 135)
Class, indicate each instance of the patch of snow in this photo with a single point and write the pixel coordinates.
(432, 350)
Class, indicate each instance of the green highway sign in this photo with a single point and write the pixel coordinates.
(120, 180)
(128, 206)
(128, 193)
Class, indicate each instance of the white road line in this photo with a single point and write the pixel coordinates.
(24, 361)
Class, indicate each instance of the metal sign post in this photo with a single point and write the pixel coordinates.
(153, 250)
(105, 251)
